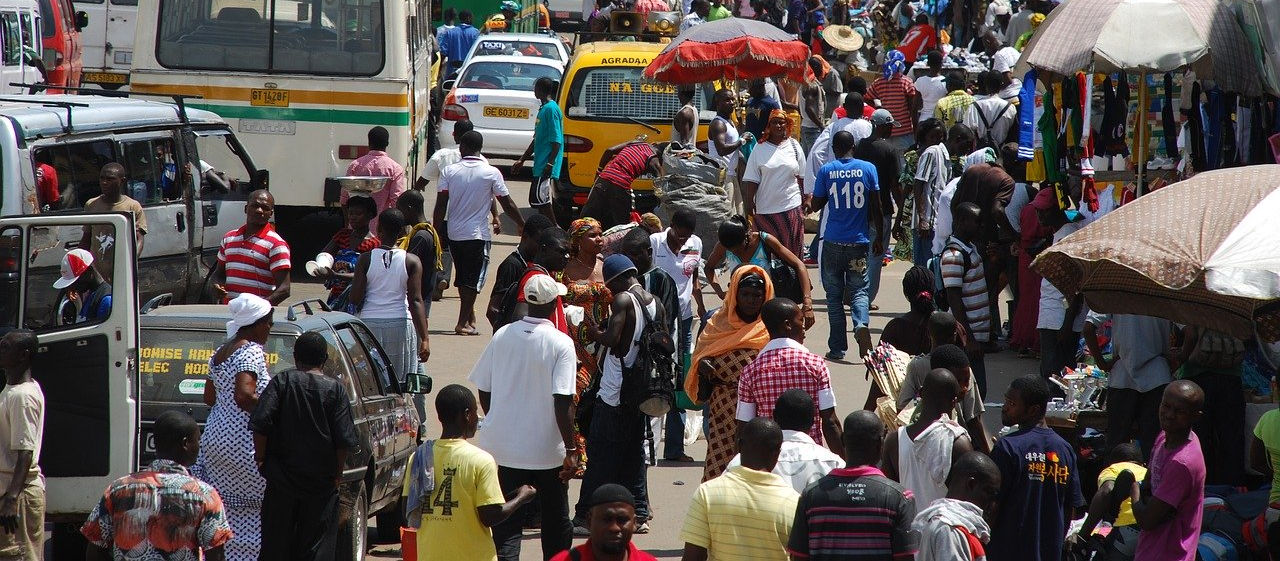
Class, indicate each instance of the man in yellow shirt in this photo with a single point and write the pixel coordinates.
(746, 513)
(459, 498)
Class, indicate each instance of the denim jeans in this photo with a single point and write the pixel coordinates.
(837, 258)
(673, 436)
(553, 504)
(615, 446)
(808, 135)
(921, 249)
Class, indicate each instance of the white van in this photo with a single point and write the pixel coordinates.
(20, 44)
(108, 41)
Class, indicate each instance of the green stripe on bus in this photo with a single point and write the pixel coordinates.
(395, 119)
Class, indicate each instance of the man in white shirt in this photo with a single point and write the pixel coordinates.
(822, 153)
(529, 436)
(466, 192)
(991, 117)
(441, 159)
(932, 85)
(678, 252)
(802, 461)
(1003, 59)
(696, 14)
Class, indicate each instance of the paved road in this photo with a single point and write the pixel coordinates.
(670, 485)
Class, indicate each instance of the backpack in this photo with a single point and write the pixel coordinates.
(986, 140)
(511, 297)
(935, 267)
(648, 385)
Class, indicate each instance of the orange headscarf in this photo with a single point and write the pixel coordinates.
(725, 331)
(780, 114)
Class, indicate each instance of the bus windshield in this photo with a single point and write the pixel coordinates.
(620, 93)
(324, 37)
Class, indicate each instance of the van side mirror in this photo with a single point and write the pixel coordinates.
(82, 20)
(261, 179)
(417, 383)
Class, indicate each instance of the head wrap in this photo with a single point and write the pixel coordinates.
(894, 63)
(650, 221)
(781, 114)
(246, 309)
(579, 228)
(1036, 20)
(725, 331)
(824, 67)
(985, 155)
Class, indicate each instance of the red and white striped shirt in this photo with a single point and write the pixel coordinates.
(251, 259)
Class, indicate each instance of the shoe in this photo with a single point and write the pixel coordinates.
(835, 355)
(643, 528)
(580, 530)
(810, 261)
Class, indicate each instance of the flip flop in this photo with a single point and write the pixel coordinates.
(467, 332)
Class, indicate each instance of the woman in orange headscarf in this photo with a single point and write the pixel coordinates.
(771, 184)
(731, 340)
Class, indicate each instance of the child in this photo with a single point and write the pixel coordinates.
(1115, 506)
(1170, 503)
(458, 496)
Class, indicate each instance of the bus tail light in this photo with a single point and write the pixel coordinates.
(453, 112)
(577, 144)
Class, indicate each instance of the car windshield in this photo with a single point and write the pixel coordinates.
(175, 362)
(541, 49)
(496, 75)
(620, 93)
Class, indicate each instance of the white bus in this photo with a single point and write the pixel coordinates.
(108, 41)
(301, 81)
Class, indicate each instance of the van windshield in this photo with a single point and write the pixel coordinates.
(326, 37)
(619, 92)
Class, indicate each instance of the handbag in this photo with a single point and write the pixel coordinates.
(786, 280)
(587, 405)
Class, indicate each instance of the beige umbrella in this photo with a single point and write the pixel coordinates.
(1205, 251)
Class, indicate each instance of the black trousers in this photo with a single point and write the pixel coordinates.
(553, 504)
(1131, 413)
(1221, 428)
(299, 527)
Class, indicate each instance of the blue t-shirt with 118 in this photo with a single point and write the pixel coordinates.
(849, 185)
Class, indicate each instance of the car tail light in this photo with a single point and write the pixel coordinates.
(576, 144)
(8, 263)
(453, 112)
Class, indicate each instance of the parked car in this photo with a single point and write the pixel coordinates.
(177, 342)
(63, 54)
(542, 45)
(496, 94)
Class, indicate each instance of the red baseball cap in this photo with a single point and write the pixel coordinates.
(74, 264)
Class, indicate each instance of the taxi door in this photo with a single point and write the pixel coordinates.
(87, 369)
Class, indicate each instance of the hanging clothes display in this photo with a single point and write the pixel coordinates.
(1026, 117)
(1215, 114)
(1195, 126)
(1053, 169)
(1167, 121)
(1115, 112)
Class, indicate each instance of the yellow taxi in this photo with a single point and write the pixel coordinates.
(606, 101)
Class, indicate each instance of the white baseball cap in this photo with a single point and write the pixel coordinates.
(74, 264)
(542, 289)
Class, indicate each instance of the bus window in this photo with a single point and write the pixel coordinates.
(223, 173)
(326, 37)
(619, 93)
(78, 166)
(12, 39)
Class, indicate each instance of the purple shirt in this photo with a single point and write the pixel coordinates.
(1177, 478)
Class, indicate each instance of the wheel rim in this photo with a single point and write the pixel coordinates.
(360, 526)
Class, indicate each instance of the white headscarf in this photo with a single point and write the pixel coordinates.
(245, 310)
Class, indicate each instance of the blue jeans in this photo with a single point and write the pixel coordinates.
(808, 135)
(616, 442)
(837, 258)
(921, 249)
(673, 439)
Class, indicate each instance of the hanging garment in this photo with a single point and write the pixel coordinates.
(1049, 137)
(1168, 123)
(1215, 114)
(1026, 117)
(1195, 117)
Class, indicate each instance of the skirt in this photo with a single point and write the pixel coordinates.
(787, 226)
(399, 341)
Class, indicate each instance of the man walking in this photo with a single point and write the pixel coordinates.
(990, 117)
(22, 426)
(467, 190)
(883, 153)
(377, 163)
(100, 240)
(855, 512)
(655, 281)
(514, 266)
(612, 520)
(785, 363)
(526, 378)
(801, 461)
(457, 42)
(253, 258)
(847, 189)
(302, 433)
(954, 528)
(678, 252)
(964, 278)
(162, 499)
(547, 149)
(746, 513)
(920, 455)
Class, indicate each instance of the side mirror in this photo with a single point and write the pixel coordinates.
(261, 180)
(419, 384)
(82, 20)
(447, 86)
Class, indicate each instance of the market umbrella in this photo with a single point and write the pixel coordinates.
(1205, 251)
(1146, 36)
(731, 49)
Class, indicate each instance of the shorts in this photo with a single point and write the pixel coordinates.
(471, 261)
(540, 191)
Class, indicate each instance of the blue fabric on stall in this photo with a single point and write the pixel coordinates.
(1027, 117)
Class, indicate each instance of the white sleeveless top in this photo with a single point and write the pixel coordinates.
(729, 160)
(387, 289)
(675, 135)
(611, 370)
(914, 476)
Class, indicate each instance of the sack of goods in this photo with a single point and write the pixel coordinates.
(692, 181)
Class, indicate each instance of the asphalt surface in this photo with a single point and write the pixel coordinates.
(670, 484)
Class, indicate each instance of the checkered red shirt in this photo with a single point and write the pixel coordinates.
(784, 364)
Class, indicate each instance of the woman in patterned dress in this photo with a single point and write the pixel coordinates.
(583, 275)
(237, 376)
(732, 338)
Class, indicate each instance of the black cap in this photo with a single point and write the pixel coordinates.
(611, 493)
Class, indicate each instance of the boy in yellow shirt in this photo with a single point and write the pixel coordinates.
(1124, 532)
(458, 497)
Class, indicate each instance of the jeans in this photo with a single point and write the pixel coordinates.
(1220, 427)
(616, 442)
(808, 135)
(553, 503)
(673, 436)
(921, 249)
(837, 276)
(298, 527)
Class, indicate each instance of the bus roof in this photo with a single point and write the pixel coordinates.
(40, 115)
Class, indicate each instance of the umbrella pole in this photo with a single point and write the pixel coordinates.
(1141, 124)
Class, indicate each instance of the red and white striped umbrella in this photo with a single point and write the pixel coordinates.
(1205, 251)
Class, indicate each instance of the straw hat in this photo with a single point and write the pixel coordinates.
(842, 38)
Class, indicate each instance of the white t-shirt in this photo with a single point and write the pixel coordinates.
(801, 461)
(526, 363)
(22, 427)
(942, 224)
(775, 168)
(931, 88)
(681, 265)
(990, 107)
(443, 158)
(1053, 304)
(472, 185)
(1005, 59)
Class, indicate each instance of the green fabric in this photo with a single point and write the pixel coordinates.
(1049, 141)
(719, 12)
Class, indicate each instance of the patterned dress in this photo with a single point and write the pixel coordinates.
(594, 298)
(226, 452)
(722, 408)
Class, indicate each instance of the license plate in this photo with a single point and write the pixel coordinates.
(269, 98)
(105, 78)
(561, 15)
(506, 112)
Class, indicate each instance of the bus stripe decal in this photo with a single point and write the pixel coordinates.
(395, 119)
(319, 97)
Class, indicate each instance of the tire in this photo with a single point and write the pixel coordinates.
(390, 520)
(353, 536)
